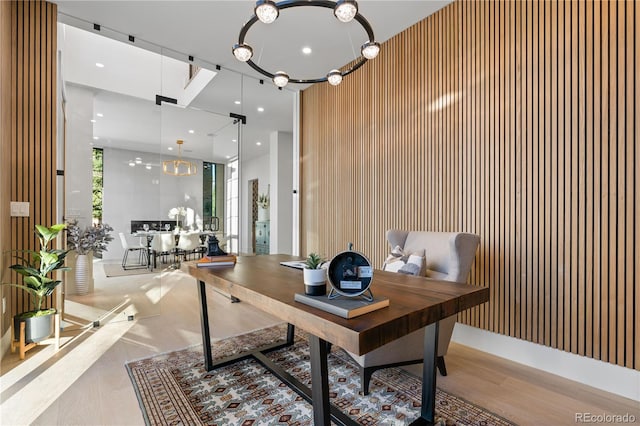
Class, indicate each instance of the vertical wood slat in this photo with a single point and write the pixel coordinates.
(32, 127)
(7, 104)
(516, 121)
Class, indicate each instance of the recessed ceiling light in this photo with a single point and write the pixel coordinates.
(306, 50)
(258, 143)
(131, 163)
(260, 109)
(95, 138)
(236, 102)
(234, 140)
(100, 114)
(99, 65)
(148, 167)
(138, 160)
(228, 156)
(191, 131)
(170, 148)
(93, 121)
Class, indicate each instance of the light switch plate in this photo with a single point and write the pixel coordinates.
(19, 208)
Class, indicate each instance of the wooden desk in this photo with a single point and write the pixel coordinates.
(262, 282)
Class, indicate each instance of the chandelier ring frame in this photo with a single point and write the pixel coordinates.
(286, 4)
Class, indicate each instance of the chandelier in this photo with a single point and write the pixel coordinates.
(179, 167)
(267, 11)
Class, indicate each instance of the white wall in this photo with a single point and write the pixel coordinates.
(79, 152)
(281, 178)
(135, 193)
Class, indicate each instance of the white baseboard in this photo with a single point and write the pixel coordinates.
(602, 375)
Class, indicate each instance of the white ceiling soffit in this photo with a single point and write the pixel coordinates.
(127, 69)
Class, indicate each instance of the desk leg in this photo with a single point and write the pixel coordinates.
(291, 331)
(427, 411)
(204, 325)
(319, 381)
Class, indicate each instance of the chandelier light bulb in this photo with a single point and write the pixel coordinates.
(345, 10)
(334, 77)
(242, 52)
(370, 49)
(266, 11)
(280, 79)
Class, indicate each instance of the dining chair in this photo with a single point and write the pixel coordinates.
(142, 253)
(188, 244)
(163, 244)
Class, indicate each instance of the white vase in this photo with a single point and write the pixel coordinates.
(263, 214)
(82, 274)
(315, 281)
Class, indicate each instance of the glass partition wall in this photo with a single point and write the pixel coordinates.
(167, 153)
(152, 151)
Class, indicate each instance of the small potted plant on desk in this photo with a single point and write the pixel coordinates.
(36, 267)
(315, 276)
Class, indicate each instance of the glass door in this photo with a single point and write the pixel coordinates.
(200, 136)
(112, 159)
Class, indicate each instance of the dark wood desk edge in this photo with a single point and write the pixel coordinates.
(341, 332)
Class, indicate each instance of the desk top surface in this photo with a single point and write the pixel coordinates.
(414, 302)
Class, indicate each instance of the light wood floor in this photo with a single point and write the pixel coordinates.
(86, 383)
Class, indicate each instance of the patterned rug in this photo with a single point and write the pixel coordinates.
(174, 389)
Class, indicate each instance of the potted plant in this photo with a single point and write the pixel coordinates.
(263, 207)
(92, 239)
(37, 268)
(315, 276)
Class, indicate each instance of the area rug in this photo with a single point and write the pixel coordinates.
(174, 389)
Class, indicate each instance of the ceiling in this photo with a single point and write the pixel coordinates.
(207, 30)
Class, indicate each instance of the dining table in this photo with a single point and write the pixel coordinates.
(149, 234)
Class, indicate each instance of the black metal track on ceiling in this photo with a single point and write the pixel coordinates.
(240, 117)
(160, 99)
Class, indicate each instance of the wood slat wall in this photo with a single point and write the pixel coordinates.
(515, 120)
(5, 150)
(31, 131)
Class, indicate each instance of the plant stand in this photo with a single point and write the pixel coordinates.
(24, 347)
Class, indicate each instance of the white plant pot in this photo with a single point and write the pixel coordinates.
(82, 275)
(315, 281)
(263, 214)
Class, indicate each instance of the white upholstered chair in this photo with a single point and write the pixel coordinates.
(163, 244)
(448, 257)
(188, 244)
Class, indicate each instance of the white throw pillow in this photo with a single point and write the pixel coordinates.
(405, 263)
